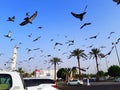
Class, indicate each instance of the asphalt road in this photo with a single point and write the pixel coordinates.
(95, 86)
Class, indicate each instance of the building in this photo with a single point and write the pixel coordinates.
(45, 74)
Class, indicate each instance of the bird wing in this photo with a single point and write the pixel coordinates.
(116, 0)
(80, 16)
(23, 23)
(75, 15)
(82, 26)
(33, 16)
(9, 34)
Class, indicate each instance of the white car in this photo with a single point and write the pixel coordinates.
(11, 80)
(75, 82)
(40, 84)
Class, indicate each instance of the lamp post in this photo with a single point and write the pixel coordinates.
(116, 52)
(106, 63)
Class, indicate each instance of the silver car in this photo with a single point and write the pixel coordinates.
(75, 82)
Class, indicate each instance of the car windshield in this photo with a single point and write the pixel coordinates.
(35, 82)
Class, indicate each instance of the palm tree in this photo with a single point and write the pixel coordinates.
(21, 71)
(54, 61)
(74, 72)
(78, 53)
(67, 73)
(96, 53)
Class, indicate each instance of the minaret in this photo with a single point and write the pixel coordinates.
(14, 57)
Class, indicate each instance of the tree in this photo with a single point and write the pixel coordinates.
(61, 74)
(54, 61)
(101, 73)
(78, 53)
(67, 72)
(74, 72)
(114, 71)
(96, 53)
(20, 70)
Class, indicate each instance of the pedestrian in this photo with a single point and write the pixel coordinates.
(88, 81)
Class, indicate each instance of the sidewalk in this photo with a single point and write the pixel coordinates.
(92, 83)
(103, 83)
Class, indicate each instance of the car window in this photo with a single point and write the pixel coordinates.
(5, 82)
(35, 82)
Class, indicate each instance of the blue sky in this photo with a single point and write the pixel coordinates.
(57, 22)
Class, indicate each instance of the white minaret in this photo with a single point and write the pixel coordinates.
(14, 57)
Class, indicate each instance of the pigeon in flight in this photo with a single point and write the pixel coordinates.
(28, 19)
(28, 50)
(36, 38)
(36, 49)
(117, 1)
(27, 13)
(93, 36)
(40, 27)
(8, 35)
(110, 34)
(57, 44)
(81, 15)
(85, 24)
(30, 35)
(11, 18)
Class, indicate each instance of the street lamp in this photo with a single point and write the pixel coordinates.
(116, 52)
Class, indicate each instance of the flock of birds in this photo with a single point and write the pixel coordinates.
(68, 43)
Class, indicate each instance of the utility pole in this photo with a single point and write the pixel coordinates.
(14, 57)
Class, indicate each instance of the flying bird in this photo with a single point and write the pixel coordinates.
(27, 13)
(12, 39)
(11, 18)
(81, 15)
(36, 49)
(40, 27)
(85, 24)
(117, 1)
(93, 37)
(57, 44)
(30, 58)
(8, 35)
(110, 34)
(70, 41)
(28, 19)
(28, 50)
(36, 38)
(30, 35)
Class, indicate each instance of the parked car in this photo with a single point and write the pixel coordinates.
(11, 80)
(40, 84)
(117, 80)
(75, 82)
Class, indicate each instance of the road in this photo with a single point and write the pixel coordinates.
(95, 86)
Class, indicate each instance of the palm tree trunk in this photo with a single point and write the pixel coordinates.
(78, 58)
(54, 71)
(97, 68)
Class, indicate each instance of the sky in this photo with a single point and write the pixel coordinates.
(58, 25)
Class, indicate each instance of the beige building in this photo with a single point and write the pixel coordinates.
(45, 74)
